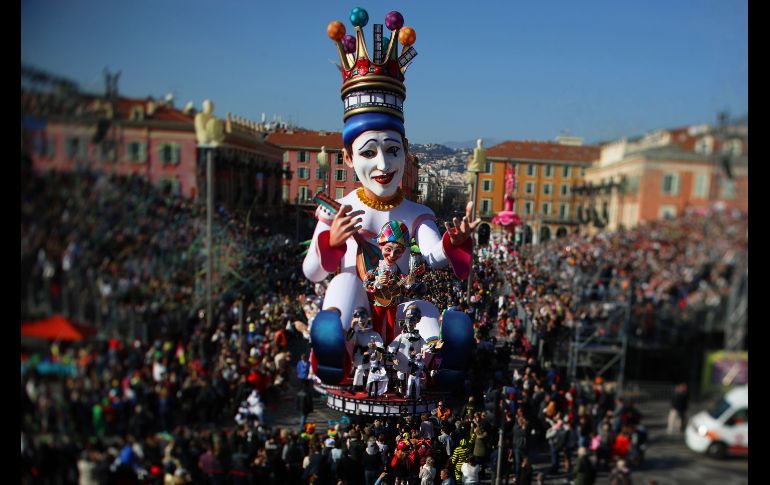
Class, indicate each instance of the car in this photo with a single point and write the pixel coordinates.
(723, 428)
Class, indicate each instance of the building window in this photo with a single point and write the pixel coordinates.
(303, 173)
(705, 145)
(43, 146)
(355, 176)
(303, 194)
(338, 158)
(547, 189)
(728, 188)
(667, 212)
(340, 175)
(546, 208)
(734, 148)
(137, 152)
(529, 188)
(170, 184)
(486, 206)
(486, 186)
(303, 157)
(488, 167)
(319, 174)
(531, 170)
(528, 208)
(564, 189)
(582, 171)
(339, 192)
(548, 170)
(137, 113)
(566, 171)
(285, 157)
(108, 151)
(701, 188)
(633, 184)
(169, 153)
(563, 211)
(670, 184)
(75, 148)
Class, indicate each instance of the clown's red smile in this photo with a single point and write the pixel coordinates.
(384, 179)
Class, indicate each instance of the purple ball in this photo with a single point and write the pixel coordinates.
(349, 43)
(394, 20)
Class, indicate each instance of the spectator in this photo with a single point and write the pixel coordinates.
(620, 475)
(585, 474)
(470, 471)
(677, 416)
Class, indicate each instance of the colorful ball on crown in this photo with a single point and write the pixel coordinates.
(359, 17)
(335, 30)
(394, 20)
(349, 43)
(407, 36)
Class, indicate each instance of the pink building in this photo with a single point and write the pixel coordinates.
(157, 141)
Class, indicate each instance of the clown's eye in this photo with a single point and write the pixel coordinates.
(394, 150)
(368, 153)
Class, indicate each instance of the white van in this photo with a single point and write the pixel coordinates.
(723, 428)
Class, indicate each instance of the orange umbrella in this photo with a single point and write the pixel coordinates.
(54, 328)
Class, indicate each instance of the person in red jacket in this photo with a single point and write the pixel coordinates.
(402, 463)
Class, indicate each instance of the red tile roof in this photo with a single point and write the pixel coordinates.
(307, 139)
(162, 112)
(538, 150)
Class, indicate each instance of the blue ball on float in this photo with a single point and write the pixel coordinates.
(359, 17)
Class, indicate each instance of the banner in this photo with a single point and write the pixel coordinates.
(723, 369)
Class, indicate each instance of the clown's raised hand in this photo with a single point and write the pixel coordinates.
(462, 230)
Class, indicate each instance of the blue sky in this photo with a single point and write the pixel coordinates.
(504, 70)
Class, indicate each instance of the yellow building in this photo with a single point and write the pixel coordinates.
(544, 176)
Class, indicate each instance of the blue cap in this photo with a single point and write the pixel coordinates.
(357, 124)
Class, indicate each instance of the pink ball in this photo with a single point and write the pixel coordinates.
(394, 20)
(349, 43)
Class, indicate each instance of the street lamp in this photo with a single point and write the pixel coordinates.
(323, 163)
(209, 133)
(476, 164)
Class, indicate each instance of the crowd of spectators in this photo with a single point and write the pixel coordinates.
(677, 275)
(170, 408)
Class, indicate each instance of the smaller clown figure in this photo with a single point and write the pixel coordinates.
(377, 381)
(408, 341)
(384, 283)
(362, 335)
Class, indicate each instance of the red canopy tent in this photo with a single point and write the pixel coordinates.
(56, 328)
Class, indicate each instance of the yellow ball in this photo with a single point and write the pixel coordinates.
(407, 36)
(335, 30)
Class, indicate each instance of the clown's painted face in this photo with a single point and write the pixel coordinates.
(391, 252)
(378, 158)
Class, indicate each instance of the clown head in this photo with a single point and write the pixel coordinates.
(393, 240)
(378, 157)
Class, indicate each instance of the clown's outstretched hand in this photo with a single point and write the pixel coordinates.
(462, 230)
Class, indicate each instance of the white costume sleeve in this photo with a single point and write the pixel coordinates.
(429, 241)
(311, 266)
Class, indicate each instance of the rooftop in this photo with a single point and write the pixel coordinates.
(545, 151)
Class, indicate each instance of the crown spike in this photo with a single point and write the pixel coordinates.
(392, 52)
(345, 59)
(361, 51)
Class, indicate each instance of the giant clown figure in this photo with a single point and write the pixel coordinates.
(376, 147)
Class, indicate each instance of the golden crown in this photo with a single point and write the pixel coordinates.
(373, 84)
